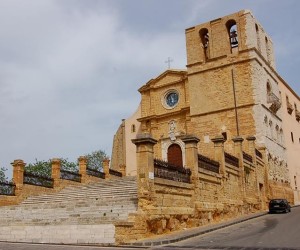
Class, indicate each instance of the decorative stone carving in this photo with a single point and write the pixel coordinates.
(172, 128)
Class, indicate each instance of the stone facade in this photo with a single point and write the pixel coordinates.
(230, 88)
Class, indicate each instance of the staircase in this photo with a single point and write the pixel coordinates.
(76, 215)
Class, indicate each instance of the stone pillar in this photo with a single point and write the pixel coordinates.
(219, 153)
(82, 162)
(18, 175)
(106, 168)
(191, 161)
(55, 171)
(145, 170)
(123, 169)
(238, 151)
(191, 156)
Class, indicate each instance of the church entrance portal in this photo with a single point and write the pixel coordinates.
(175, 155)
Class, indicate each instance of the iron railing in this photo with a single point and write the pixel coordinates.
(95, 173)
(165, 170)
(38, 180)
(247, 157)
(70, 175)
(258, 153)
(115, 172)
(7, 188)
(232, 160)
(208, 164)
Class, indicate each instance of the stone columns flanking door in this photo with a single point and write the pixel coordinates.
(145, 170)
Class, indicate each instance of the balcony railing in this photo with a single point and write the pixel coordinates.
(38, 180)
(165, 170)
(275, 102)
(247, 157)
(208, 164)
(7, 188)
(289, 107)
(258, 153)
(115, 173)
(70, 175)
(95, 173)
(231, 160)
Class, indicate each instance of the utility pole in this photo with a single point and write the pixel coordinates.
(235, 106)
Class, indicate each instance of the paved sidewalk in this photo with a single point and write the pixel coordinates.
(189, 233)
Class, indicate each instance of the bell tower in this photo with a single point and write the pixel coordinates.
(231, 67)
(227, 36)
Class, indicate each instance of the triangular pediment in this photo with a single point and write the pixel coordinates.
(168, 77)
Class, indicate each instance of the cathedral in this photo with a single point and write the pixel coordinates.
(230, 88)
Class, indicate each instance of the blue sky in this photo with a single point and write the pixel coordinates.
(70, 69)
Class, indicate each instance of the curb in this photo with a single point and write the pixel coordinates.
(199, 231)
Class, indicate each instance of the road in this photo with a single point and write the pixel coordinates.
(272, 231)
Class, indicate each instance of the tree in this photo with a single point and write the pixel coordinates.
(69, 166)
(95, 159)
(2, 175)
(42, 168)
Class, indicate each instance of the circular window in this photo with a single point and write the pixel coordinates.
(171, 99)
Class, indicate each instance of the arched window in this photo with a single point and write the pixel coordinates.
(233, 34)
(175, 155)
(269, 90)
(281, 136)
(271, 129)
(204, 36)
(277, 133)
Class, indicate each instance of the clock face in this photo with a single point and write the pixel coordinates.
(172, 99)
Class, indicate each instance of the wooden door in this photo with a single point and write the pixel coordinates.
(175, 155)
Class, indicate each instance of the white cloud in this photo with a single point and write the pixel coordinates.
(70, 70)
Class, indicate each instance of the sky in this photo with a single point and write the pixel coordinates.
(70, 69)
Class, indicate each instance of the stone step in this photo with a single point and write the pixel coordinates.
(70, 204)
(78, 214)
(60, 234)
(75, 218)
(79, 199)
(45, 212)
(81, 192)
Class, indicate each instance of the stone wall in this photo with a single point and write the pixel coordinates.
(209, 197)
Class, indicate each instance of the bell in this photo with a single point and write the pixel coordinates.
(233, 39)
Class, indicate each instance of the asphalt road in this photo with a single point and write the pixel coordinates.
(24, 246)
(272, 231)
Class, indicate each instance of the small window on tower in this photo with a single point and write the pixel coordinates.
(133, 128)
